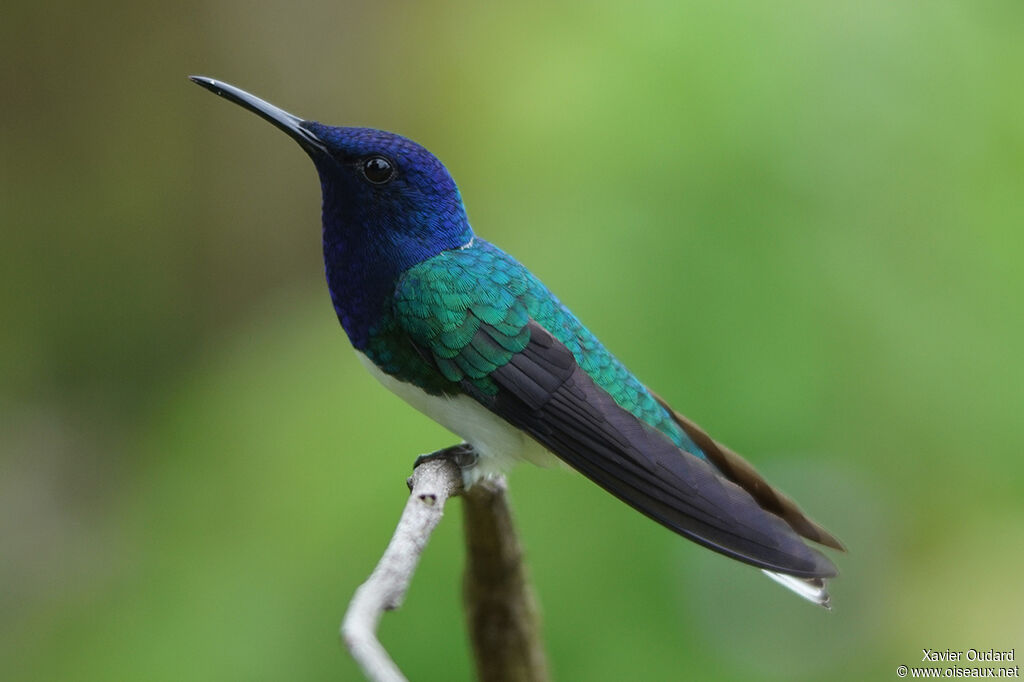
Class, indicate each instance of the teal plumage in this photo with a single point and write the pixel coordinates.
(470, 308)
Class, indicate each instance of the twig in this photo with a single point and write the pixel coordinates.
(432, 483)
(500, 608)
(501, 611)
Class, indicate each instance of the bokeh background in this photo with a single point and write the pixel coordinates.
(801, 222)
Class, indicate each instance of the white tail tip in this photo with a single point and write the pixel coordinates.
(811, 589)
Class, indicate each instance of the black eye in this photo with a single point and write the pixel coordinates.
(378, 170)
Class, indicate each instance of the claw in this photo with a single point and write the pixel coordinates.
(462, 455)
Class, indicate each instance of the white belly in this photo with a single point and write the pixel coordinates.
(499, 444)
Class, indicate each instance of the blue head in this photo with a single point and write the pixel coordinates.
(388, 204)
(390, 188)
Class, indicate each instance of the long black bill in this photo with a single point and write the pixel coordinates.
(289, 123)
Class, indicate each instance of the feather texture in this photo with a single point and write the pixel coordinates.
(496, 334)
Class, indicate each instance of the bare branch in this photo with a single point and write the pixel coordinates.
(432, 483)
(501, 611)
(500, 608)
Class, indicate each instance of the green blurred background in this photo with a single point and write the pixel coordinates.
(799, 221)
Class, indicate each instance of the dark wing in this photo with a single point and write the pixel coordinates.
(465, 312)
(543, 391)
(742, 473)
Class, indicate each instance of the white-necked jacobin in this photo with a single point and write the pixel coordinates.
(468, 336)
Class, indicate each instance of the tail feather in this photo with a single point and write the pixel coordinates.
(741, 472)
(813, 590)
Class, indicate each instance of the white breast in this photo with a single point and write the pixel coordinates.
(499, 443)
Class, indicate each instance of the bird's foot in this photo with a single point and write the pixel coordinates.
(462, 455)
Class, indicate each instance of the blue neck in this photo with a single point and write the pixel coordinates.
(363, 265)
(375, 232)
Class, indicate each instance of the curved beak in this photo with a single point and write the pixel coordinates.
(289, 123)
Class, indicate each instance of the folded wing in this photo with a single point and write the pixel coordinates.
(543, 391)
(485, 323)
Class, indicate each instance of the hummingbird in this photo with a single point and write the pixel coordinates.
(468, 336)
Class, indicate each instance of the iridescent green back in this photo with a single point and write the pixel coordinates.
(470, 307)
